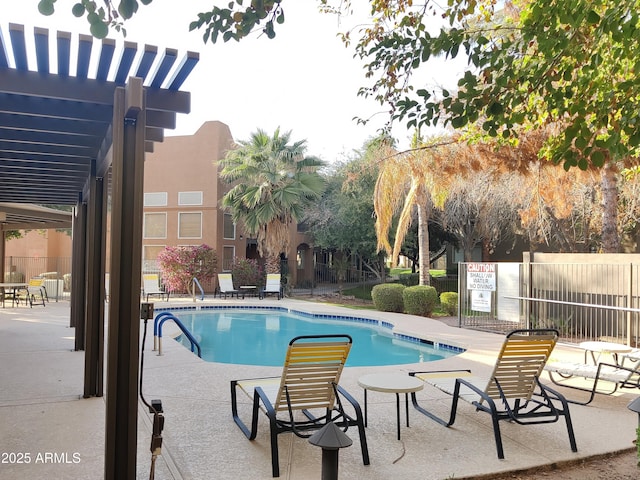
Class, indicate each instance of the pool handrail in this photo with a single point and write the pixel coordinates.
(193, 289)
(157, 332)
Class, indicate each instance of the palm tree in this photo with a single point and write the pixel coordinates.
(273, 181)
(404, 182)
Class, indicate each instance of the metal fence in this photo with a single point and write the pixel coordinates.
(583, 301)
(55, 270)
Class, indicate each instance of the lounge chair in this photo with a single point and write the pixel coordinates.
(309, 380)
(273, 285)
(513, 390)
(624, 375)
(225, 286)
(152, 287)
(7, 294)
(35, 292)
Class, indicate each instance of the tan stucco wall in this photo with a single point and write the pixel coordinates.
(39, 244)
(188, 164)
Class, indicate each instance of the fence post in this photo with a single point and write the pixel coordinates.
(630, 304)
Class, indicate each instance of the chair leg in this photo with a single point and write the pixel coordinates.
(565, 412)
(496, 429)
(490, 408)
(255, 411)
(359, 422)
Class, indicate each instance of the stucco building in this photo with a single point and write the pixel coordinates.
(182, 206)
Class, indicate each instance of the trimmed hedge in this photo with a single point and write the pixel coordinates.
(387, 297)
(449, 302)
(409, 279)
(420, 300)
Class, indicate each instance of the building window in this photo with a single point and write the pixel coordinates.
(229, 227)
(228, 253)
(155, 225)
(190, 225)
(189, 198)
(300, 258)
(155, 199)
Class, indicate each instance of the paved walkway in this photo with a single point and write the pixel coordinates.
(48, 432)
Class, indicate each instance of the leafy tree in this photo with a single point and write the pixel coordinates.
(568, 63)
(180, 265)
(480, 210)
(439, 238)
(11, 234)
(273, 182)
(343, 218)
(571, 64)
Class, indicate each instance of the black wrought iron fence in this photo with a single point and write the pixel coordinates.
(583, 301)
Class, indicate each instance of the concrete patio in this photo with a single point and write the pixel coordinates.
(48, 431)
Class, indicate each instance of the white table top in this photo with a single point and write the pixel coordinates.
(605, 347)
(13, 284)
(391, 383)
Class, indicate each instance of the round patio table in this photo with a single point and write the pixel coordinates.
(603, 347)
(391, 383)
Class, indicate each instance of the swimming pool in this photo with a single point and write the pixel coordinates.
(261, 337)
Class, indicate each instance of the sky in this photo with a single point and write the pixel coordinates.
(304, 81)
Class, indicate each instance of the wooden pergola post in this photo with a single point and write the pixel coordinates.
(124, 305)
(94, 315)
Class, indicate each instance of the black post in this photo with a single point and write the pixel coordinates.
(331, 439)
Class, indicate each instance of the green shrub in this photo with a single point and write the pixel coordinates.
(409, 279)
(449, 302)
(420, 300)
(387, 297)
(247, 271)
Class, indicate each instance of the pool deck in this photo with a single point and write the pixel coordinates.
(43, 415)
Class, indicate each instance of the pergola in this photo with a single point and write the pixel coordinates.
(72, 137)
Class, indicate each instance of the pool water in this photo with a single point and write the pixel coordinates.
(257, 337)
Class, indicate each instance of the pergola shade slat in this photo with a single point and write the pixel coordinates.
(53, 125)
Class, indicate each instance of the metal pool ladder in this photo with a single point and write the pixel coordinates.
(157, 332)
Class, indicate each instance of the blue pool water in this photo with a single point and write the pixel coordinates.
(261, 337)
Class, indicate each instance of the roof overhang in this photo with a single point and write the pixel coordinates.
(17, 216)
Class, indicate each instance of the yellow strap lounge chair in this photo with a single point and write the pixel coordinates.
(309, 381)
(152, 286)
(35, 292)
(513, 390)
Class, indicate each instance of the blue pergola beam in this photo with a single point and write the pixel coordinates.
(184, 69)
(84, 55)
(106, 55)
(146, 61)
(4, 60)
(164, 67)
(64, 53)
(41, 36)
(16, 32)
(126, 60)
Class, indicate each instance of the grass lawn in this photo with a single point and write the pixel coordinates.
(434, 273)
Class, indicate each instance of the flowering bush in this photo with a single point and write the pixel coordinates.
(179, 265)
(247, 271)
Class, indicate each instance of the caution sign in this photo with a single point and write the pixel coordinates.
(481, 276)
